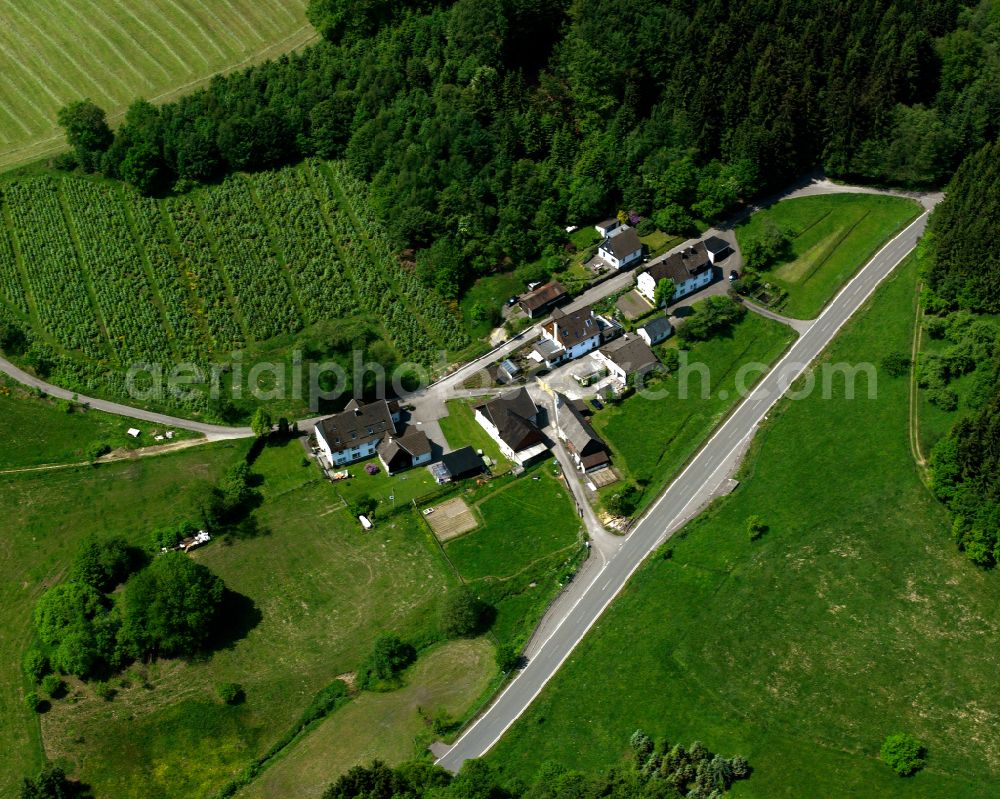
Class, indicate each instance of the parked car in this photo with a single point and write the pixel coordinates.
(734, 275)
(511, 301)
(598, 405)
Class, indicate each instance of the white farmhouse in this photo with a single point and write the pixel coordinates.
(512, 421)
(621, 247)
(655, 330)
(567, 336)
(356, 432)
(690, 269)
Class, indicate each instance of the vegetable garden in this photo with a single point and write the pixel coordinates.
(102, 278)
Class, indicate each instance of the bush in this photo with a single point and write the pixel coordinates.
(54, 686)
(508, 657)
(461, 613)
(231, 693)
(641, 744)
(944, 398)
(324, 702)
(713, 316)
(389, 656)
(105, 691)
(646, 227)
(32, 701)
(364, 505)
(903, 754)
(623, 502)
(97, 449)
(755, 527)
(896, 364)
(36, 664)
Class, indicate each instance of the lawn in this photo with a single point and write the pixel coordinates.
(39, 431)
(461, 429)
(486, 295)
(116, 52)
(853, 617)
(47, 514)
(659, 242)
(392, 727)
(528, 544)
(651, 438)
(833, 236)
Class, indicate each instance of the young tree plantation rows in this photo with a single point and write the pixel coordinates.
(118, 278)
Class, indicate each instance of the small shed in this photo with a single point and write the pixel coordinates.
(508, 371)
(655, 330)
(605, 227)
(134, 432)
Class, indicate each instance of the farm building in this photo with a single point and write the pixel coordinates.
(512, 421)
(458, 465)
(588, 450)
(539, 301)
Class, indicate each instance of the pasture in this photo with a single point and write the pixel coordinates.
(651, 437)
(852, 617)
(113, 52)
(267, 264)
(832, 236)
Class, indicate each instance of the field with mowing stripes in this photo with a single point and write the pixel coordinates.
(105, 278)
(112, 51)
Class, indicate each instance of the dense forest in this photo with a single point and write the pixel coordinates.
(963, 277)
(486, 126)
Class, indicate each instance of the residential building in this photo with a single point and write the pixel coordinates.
(604, 228)
(627, 356)
(355, 433)
(567, 336)
(409, 450)
(512, 421)
(718, 249)
(655, 330)
(538, 302)
(588, 450)
(621, 248)
(690, 269)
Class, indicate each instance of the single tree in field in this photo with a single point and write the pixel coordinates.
(261, 423)
(664, 292)
(461, 613)
(903, 753)
(86, 130)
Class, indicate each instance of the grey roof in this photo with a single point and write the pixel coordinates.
(513, 415)
(356, 425)
(547, 348)
(510, 367)
(658, 327)
(681, 265)
(609, 222)
(569, 329)
(580, 435)
(631, 354)
(622, 244)
(715, 245)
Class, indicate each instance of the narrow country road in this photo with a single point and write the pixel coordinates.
(708, 468)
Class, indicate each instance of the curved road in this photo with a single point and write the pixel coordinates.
(709, 467)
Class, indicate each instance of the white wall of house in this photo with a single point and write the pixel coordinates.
(347, 455)
(604, 231)
(421, 459)
(615, 262)
(644, 335)
(647, 286)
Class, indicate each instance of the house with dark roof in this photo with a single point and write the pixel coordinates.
(411, 449)
(567, 336)
(690, 269)
(628, 356)
(458, 465)
(621, 248)
(588, 450)
(655, 330)
(718, 249)
(607, 226)
(356, 432)
(541, 300)
(512, 421)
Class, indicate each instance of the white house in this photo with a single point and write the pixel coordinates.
(512, 421)
(655, 330)
(690, 269)
(567, 336)
(625, 357)
(621, 247)
(356, 432)
(605, 227)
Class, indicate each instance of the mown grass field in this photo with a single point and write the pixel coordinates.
(383, 726)
(47, 514)
(40, 431)
(322, 590)
(52, 53)
(833, 236)
(651, 438)
(853, 617)
(264, 265)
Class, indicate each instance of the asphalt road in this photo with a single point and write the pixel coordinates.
(705, 471)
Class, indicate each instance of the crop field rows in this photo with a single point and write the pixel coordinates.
(118, 278)
(112, 51)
